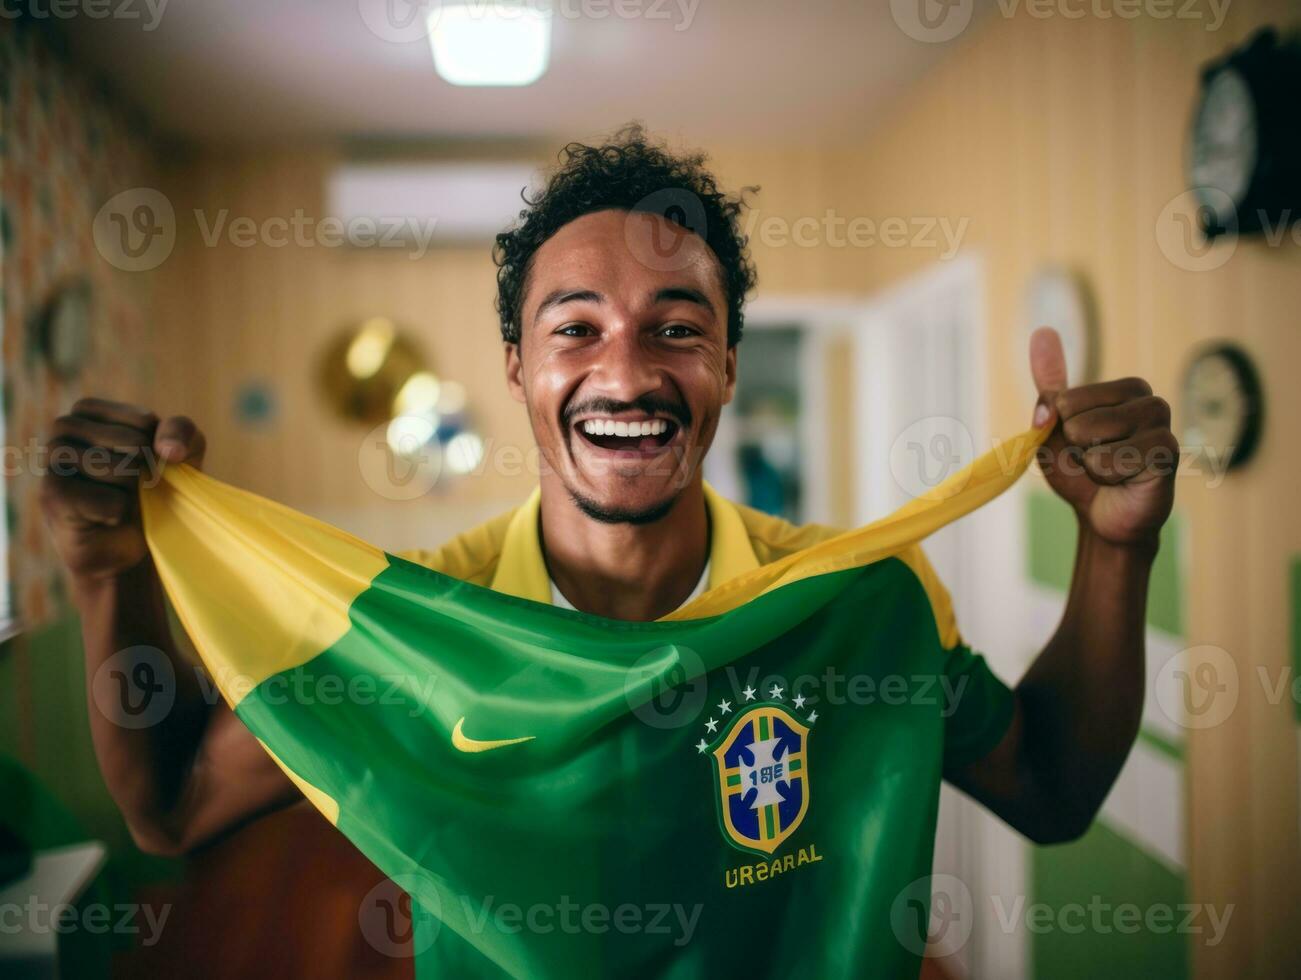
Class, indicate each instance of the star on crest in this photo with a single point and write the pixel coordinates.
(725, 706)
(701, 746)
(799, 700)
(813, 716)
(711, 725)
(749, 693)
(775, 692)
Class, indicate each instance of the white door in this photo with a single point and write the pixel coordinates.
(920, 415)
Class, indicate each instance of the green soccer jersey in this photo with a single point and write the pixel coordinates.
(766, 819)
(746, 787)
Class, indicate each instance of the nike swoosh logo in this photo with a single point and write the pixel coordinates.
(465, 744)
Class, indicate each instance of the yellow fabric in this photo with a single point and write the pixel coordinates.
(896, 535)
(222, 554)
(752, 552)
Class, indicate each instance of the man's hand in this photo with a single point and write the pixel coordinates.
(99, 453)
(1111, 454)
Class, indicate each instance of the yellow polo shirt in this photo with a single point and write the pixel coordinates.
(505, 553)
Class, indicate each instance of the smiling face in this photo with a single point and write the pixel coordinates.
(624, 368)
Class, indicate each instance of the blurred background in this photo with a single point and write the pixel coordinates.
(277, 218)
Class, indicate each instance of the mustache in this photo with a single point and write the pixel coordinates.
(649, 404)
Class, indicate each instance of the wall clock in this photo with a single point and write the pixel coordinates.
(1223, 405)
(1245, 146)
(63, 329)
(1058, 298)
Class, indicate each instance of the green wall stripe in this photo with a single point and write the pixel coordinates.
(1050, 558)
(1106, 869)
(1161, 743)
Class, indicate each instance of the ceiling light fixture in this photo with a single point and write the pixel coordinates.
(490, 42)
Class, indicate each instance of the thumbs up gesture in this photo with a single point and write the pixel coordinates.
(1111, 454)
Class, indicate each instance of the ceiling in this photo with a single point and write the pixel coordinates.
(241, 71)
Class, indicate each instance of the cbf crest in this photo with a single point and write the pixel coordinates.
(761, 771)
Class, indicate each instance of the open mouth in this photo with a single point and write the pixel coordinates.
(644, 436)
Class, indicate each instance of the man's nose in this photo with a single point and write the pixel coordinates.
(625, 368)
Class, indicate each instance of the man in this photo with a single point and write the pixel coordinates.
(620, 295)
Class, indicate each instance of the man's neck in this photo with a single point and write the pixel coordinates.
(624, 571)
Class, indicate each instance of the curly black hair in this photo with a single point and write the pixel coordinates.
(629, 172)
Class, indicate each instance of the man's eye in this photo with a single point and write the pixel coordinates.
(676, 331)
(575, 330)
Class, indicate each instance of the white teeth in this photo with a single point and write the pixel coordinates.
(609, 427)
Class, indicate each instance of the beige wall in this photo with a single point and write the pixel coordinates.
(1057, 140)
(1062, 140)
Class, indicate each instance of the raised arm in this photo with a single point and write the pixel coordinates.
(1112, 457)
(193, 771)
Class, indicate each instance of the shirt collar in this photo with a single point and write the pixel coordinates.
(522, 570)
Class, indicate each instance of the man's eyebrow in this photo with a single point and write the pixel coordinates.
(687, 293)
(560, 296)
(671, 294)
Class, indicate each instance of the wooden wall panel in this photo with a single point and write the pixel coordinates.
(1062, 140)
(1055, 140)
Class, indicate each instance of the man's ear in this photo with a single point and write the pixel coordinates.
(514, 371)
(729, 371)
